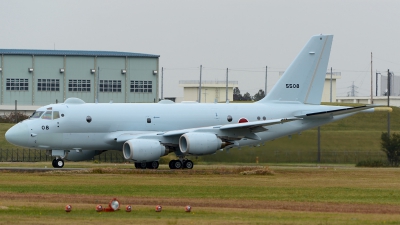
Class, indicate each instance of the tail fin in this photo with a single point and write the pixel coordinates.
(304, 79)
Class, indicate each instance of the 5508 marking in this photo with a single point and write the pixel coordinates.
(292, 86)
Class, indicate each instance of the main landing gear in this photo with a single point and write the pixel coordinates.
(147, 165)
(181, 164)
(58, 163)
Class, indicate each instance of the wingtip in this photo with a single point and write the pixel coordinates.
(383, 109)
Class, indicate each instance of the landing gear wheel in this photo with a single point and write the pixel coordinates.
(152, 165)
(60, 163)
(137, 165)
(54, 163)
(143, 165)
(188, 164)
(171, 164)
(177, 164)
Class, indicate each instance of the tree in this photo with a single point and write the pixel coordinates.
(391, 146)
(259, 95)
(246, 97)
(236, 94)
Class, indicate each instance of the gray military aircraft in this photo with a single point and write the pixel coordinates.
(75, 130)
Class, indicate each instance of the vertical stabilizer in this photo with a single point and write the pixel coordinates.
(304, 79)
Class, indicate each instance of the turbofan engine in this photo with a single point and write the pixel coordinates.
(199, 143)
(143, 150)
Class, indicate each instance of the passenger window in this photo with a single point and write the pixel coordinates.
(47, 115)
(56, 115)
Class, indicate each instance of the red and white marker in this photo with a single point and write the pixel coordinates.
(158, 208)
(188, 208)
(68, 208)
(114, 204)
(128, 208)
(99, 208)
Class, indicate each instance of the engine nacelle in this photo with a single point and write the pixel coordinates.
(143, 150)
(199, 143)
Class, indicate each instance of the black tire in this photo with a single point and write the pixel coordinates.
(178, 164)
(171, 164)
(155, 164)
(152, 165)
(188, 164)
(143, 165)
(137, 165)
(54, 163)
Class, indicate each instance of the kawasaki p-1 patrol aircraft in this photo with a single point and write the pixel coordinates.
(75, 130)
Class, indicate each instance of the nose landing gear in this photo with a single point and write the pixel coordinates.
(58, 163)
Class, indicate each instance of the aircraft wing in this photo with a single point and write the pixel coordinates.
(230, 131)
(251, 127)
(331, 113)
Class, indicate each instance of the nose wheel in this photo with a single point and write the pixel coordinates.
(57, 163)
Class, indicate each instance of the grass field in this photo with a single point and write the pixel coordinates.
(218, 194)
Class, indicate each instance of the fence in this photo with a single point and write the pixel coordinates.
(293, 156)
(35, 155)
(234, 156)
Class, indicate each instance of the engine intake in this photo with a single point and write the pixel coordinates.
(199, 143)
(143, 150)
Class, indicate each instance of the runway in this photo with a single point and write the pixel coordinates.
(35, 169)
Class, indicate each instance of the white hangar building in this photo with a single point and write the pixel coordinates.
(35, 78)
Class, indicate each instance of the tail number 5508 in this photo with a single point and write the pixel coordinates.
(292, 85)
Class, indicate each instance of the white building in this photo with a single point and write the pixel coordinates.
(376, 100)
(211, 91)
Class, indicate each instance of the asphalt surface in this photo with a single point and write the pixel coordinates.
(35, 169)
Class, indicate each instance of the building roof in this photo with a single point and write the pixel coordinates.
(73, 53)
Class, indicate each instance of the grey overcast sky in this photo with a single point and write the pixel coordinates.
(244, 36)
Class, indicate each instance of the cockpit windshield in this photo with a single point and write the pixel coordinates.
(36, 115)
(47, 115)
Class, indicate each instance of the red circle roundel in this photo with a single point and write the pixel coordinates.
(243, 120)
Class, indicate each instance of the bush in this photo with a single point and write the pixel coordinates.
(13, 117)
(372, 163)
(391, 146)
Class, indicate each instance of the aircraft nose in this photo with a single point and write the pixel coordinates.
(18, 134)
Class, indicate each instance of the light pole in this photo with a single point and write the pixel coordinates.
(388, 103)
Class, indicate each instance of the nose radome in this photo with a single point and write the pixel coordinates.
(18, 134)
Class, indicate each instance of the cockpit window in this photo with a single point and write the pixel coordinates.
(47, 115)
(56, 115)
(36, 114)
